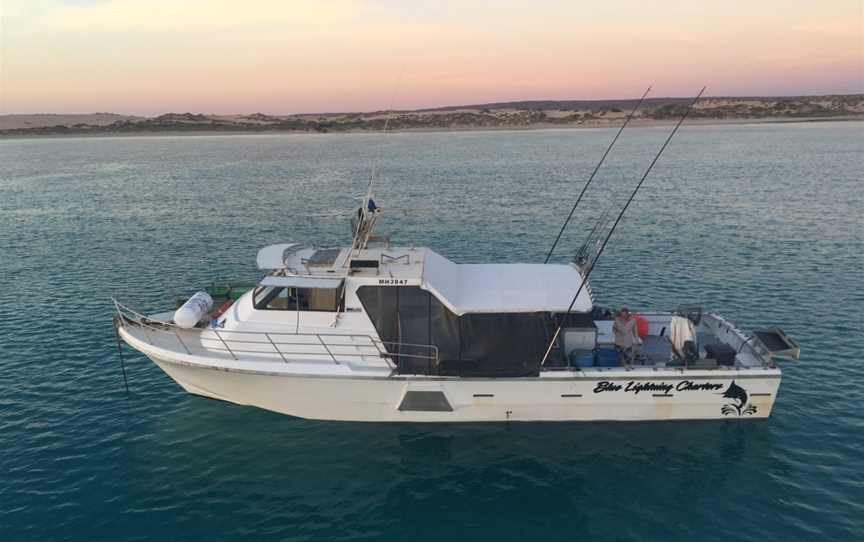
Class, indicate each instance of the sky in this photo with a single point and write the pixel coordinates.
(149, 57)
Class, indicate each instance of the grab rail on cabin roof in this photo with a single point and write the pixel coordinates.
(327, 345)
(386, 258)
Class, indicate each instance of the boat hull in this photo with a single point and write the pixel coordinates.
(638, 396)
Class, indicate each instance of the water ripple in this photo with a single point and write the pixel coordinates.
(763, 223)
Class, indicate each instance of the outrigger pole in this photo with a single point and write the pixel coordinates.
(593, 173)
(617, 220)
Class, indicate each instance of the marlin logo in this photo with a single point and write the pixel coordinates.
(739, 398)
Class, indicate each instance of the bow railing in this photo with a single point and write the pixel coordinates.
(288, 346)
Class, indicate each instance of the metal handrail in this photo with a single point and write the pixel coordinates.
(276, 348)
(746, 340)
(329, 341)
(386, 258)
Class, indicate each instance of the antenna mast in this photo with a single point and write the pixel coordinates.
(617, 221)
(368, 212)
(593, 173)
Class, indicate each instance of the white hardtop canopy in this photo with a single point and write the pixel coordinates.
(504, 288)
(463, 288)
(273, 257)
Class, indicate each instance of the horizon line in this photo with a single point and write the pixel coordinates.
(497, 104)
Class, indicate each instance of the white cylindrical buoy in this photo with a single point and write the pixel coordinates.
(195, 308)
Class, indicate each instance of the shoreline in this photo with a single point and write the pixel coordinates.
(587, 125)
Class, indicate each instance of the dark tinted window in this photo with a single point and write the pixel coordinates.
(381, 304)
(481, 344)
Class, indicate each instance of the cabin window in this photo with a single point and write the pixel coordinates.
(272, 298)
(319, 299)
(302, 299)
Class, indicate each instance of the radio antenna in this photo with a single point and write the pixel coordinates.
(617, 221)
(368, 213)
(386, 127)
(593, 173)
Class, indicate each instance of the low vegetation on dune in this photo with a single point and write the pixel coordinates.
(498, 115)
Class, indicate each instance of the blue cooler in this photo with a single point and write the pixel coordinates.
(607, 357)
(581, 358)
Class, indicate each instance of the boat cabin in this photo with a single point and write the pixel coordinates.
(354, 333)
(481, 319)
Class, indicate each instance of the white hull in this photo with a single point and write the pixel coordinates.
(568, 396)
(378, 333)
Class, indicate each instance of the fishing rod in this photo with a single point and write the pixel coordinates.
(593, 173)
(581, 252)
(617, 221)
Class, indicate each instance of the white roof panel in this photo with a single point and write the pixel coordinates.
(495, 288)
(273, 256)
(301, 282)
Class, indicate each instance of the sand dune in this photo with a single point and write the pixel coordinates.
(534, 114)
(42, 120)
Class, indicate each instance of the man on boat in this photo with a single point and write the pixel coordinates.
(626, 335)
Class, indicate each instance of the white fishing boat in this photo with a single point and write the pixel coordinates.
(380, 333)
(374, 332)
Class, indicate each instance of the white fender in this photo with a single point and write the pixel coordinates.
(195, 308)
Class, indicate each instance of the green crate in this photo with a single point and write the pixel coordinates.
(218, 291)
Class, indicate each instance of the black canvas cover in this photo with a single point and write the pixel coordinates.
(503, 344)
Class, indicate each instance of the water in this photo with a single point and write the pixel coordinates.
(762, 222)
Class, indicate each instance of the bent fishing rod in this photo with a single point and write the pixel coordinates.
(593, 173)
(615, 225)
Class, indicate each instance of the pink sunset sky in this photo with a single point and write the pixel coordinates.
(293, 56)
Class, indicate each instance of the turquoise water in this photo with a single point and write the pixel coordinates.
(764, 223)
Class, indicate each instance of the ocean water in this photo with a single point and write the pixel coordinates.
(764, 223)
